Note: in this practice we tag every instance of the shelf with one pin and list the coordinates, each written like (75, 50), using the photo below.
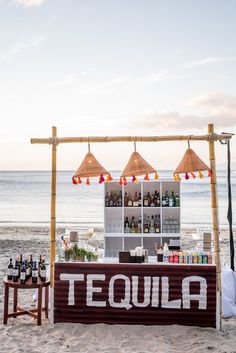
(142, 235)
(113, 208)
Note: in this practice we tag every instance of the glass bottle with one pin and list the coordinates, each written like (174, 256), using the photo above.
(34, 273)
(23, 274)
(10, 271)
(43, 272)
(15, 274)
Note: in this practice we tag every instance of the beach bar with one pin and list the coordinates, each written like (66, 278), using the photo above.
(136, 293)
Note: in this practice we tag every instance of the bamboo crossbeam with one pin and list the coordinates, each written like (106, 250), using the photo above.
(102, 139)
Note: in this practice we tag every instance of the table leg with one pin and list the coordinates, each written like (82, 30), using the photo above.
(6, 300)
(46, 302)
(39, 305)
(15, 301)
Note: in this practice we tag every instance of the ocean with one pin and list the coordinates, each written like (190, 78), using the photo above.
(25, 200)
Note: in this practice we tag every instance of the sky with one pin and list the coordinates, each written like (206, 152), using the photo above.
(108, 67)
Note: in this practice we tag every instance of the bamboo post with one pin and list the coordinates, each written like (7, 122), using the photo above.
(215, 218)
(53, 205)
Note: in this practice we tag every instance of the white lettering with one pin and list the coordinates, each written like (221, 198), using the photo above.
(147, 291)
(124, 303)
(201, 297)
(91, 289)
(71, 277)
(165, 303)
(155, 291)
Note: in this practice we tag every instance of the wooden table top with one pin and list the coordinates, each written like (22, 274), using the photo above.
(29, 284)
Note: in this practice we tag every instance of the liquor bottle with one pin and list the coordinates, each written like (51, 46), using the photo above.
(157, 224)
(111, 199)
(132, 225)
(146, 228)
(107, 200)
(127, 227)
(43, 272)
(28, 272)
(163, 200)
(139, 224)
(177, 200)
(34, 273)
(15, 272)
(135, 202)
(171, 199)
(130, 202)
(149, 198)
(40, 264)
(23, 274)
(10, 271)
(158, 202)
(139, 200)
(155, 198)
(31, 264)
(115, 199)
(145, 200)
(152, 201)
(126, 200)
(167, 199)
(152, 229)
(120, 199)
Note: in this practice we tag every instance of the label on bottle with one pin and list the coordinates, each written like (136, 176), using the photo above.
(28, 271)
(15, 272)
(22, 276)
(34, 273)
(145, 203)
(130, 203)
(10, 272)
(135, 203)
(43, 273)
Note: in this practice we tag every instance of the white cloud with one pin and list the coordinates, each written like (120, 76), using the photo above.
(22, 45)
(164, 76)
(28, 3)
(219, 109)
(207, 61)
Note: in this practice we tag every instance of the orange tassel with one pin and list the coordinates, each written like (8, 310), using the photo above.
(136, 180)
(121, 181)
(186, 176)
(133, 179)
(178, 177)
(87, 181)
(107, 179)
(110, 177)
(200, 175)
(146, 177)
(124, 181)
(80, 181)
(193, 175)
(210, 173)
(156, 176)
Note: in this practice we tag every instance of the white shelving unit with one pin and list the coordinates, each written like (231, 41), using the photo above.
(114, 217)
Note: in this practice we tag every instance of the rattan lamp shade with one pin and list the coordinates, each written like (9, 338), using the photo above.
(191, 163)
(90, 167)
(137, 166)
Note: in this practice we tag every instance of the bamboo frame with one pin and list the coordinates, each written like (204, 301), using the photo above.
(53, 206)
(215, 218)
(211, 138)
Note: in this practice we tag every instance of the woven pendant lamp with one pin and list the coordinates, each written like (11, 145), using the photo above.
(90, 167)
(137, 166)
(191, 163)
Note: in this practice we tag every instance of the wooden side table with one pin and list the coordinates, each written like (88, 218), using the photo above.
(17, 311)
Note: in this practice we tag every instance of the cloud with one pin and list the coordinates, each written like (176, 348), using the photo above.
(219, 109)
(22, 45)
(164, 76)
(28, 3)
(207, 61)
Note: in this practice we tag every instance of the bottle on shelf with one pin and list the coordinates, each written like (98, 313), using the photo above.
(107, 200)
(136, 198)
(23, 274)
(152, 228)
(10, 271)
(130, 202)
(126, 199)
(152, 201)
(172, 199)
(140, 224)
(127, 226)
(157, 224)
(167, 198)
(177, 200)
(111, 200)
(165, 253)
(15, 272)
(43, 272)
(139, 200)
(145, 200)
(163, 200)
(35, 273)
(120, 199)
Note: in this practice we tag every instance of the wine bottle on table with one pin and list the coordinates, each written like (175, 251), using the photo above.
(10, 271)
(39, 265)
(43, 272)
(34, 273)
(15, 272)
(23, 274)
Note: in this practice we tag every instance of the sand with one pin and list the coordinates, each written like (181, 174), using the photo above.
(22, 334)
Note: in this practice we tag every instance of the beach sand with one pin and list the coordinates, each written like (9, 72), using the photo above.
(22, 334)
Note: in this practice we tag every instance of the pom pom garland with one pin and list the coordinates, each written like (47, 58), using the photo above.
(101, 179)
(186, 176)
(146, 177)
(87, 181)
(156, 176)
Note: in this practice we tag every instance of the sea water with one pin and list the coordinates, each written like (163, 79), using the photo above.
(25, 199)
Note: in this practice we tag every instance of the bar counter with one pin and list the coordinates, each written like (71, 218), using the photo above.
(149, 293)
